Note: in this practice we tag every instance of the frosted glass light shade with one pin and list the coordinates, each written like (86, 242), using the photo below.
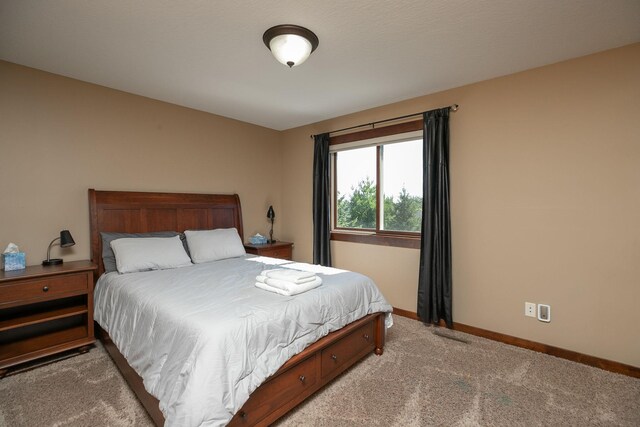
(290, 44)
(290, 49)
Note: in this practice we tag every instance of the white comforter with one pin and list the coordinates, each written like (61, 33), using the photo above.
(204, 337)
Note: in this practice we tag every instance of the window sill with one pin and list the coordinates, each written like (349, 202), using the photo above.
(398, 241)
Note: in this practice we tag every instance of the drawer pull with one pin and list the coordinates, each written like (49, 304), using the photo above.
(45, 289)
(366, 337)
(334, 357)
(301, 378)
(243, 415)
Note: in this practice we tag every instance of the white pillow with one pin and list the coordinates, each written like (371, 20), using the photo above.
(212, 245)
(149, 253)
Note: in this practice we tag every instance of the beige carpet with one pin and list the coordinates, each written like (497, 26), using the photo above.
(421, 380)
(426, 380)
(86, 390)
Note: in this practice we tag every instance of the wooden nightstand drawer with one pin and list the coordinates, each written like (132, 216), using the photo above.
(284, 253)
(338, 356)
(47, 287)
(282, 250)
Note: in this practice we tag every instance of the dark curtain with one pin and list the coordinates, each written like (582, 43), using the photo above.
(434, 282)
(321, 202)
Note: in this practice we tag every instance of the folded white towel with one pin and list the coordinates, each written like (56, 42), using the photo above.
(294, 276)
(293, 290)
(262, 279)
(285, 285)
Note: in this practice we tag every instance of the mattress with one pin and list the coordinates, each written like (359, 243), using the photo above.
(204, 337)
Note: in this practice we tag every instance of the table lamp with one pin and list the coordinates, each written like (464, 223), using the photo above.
(65, 241)
(271, 215)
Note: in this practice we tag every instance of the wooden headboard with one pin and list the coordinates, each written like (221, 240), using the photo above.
(136, 212)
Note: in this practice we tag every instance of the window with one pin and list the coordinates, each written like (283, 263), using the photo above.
(356, 188)
(402, 186)
(377, 193)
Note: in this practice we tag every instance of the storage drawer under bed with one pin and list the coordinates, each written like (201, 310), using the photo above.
(277, 390)
(336, 357)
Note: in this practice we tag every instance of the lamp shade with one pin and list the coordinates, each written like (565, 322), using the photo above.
(66, 240)
(270, 213)
(291, 45)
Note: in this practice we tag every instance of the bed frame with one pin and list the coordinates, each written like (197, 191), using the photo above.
(300, 376)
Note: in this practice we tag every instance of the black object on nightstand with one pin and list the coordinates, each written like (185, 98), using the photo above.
(66, 241)
(271, 215)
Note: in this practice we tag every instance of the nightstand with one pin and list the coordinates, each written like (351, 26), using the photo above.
(45, 310)
(274, 250)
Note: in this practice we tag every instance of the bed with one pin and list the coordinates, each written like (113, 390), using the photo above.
(284, 378)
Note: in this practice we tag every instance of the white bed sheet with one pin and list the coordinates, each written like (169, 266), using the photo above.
(204, 337)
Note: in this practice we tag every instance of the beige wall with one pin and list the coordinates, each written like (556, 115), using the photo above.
(59, 137)
(544, 169)
(545, 196)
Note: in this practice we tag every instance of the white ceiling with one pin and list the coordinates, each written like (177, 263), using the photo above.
(209, 55)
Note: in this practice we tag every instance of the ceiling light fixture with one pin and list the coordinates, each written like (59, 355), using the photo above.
(290, 44)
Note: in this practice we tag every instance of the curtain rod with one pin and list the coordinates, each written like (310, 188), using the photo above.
(452, 107)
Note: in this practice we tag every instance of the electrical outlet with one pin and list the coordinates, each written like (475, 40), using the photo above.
(544, 312)
(529, 309)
